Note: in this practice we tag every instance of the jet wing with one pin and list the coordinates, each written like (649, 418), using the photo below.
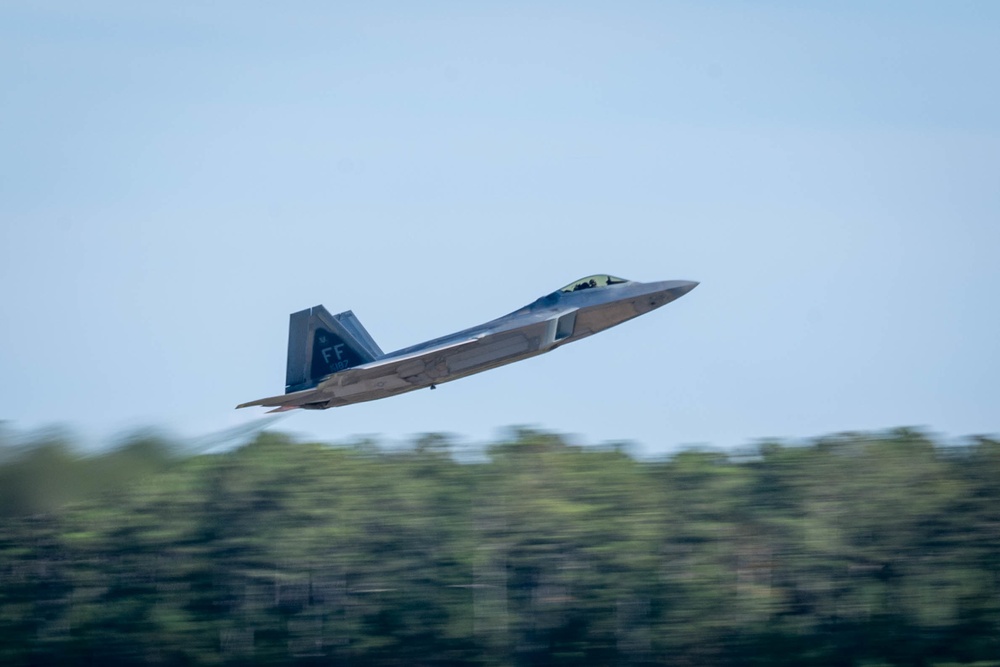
(373, 380)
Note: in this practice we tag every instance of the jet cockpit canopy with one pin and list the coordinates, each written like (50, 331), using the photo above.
(591, 282)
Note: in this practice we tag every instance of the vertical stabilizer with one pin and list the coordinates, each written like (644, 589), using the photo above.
(320, 344)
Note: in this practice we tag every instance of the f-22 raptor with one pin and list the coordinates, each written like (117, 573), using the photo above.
(332, 361)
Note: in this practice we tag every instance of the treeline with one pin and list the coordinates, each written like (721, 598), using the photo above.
(858, 549)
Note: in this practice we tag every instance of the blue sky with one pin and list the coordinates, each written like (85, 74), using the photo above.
(176, 178)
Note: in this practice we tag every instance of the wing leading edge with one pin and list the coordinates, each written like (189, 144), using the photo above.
(373, 380)
(421, 368)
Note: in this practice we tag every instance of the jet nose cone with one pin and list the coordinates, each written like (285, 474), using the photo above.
(683, 287)
(662, 293)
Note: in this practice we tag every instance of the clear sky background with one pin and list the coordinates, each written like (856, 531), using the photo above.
(176, 178)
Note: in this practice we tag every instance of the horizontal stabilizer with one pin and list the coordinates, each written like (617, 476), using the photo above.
(293, 400)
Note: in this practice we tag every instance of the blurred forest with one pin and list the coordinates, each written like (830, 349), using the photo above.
(853, 549)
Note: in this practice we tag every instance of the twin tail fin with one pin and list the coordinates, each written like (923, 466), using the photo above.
(320, 344)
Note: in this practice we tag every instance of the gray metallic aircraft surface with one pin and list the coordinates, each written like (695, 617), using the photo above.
(332, 361)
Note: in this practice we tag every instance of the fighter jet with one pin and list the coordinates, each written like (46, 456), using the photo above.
(333, 361)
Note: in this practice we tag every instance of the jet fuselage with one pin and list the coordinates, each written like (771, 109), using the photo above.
(576, 311)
